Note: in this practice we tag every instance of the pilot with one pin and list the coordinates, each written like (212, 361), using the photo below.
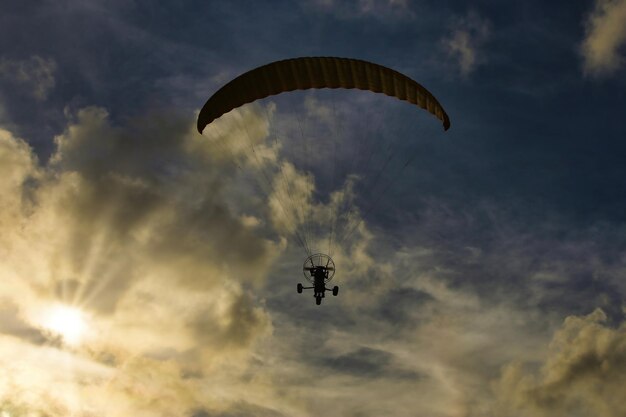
(320, 276)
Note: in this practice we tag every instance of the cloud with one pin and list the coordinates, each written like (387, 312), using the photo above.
(12, 324)
(17, 165)
(582, 374)
(35, 73)
(239, 409)
(297, 162)
(465, 41)
(174, 253)
(356, 9)
(369, 363)
(291, 199)
(473, 292)
(133, 224)
(605, 37)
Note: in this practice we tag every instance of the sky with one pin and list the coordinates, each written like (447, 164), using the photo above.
(149, 270)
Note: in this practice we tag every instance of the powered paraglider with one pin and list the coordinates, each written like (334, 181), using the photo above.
(311, 186)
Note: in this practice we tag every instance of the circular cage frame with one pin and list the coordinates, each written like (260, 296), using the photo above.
(316, 260)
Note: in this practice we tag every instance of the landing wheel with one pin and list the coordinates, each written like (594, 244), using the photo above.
(299, 288)
(318, 300)
(335, 290)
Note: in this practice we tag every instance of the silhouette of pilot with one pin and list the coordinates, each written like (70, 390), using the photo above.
(319, 278)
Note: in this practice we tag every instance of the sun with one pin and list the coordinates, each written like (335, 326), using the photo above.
(67, 322)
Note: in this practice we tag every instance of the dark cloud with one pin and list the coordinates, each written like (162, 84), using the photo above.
(234, 328)
(543, 263)
(398, 306)
(369, 363)
(362, 9)
(239, 409)
(35, 75)
(12, 324)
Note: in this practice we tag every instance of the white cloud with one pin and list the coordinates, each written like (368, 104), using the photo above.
(582, 375)
(131, 225)
(17, 164)
(605, 38)
(465, 42)
(35, 73)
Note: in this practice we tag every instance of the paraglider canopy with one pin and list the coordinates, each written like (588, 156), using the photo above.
(317, 72)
